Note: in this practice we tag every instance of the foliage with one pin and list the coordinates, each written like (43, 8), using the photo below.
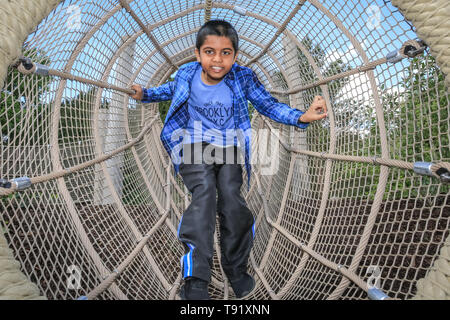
(426, 112)
(416, 121)
(22, 106)
(418, 125)
(164, 106)
(76, 116)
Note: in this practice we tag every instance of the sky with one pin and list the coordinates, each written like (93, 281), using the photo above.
(379, 27)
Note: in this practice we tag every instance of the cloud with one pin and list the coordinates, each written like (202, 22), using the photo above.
(358, 88)
(347, 56)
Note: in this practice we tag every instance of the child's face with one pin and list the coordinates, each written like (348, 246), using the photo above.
(216, 56)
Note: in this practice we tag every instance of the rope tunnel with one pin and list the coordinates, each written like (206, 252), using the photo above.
(356, 206)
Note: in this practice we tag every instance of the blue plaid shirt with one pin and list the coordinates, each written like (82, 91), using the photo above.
(244, 86)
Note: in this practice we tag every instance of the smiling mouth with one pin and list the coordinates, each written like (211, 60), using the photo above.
(217, 69)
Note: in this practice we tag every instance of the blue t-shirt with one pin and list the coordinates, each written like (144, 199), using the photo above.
(210, 110)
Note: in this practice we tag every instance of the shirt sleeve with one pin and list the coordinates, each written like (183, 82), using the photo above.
(161, 93)
(270, 107)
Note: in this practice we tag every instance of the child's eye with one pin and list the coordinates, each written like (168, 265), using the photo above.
(208, 51)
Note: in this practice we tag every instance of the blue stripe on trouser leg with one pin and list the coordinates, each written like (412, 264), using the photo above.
(253, 229)
(187, 262)
(196, 231)
(190, 261)
(179, 225)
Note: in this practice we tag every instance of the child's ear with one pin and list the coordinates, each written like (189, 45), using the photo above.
(197, 54)
(235, 56)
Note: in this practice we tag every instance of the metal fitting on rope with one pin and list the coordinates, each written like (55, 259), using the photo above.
(27, 66)
(376, 294)
(423, 168)
(26, 63)
(22, 183)
(5, 184)
(394, 57)
(413, 48)
(42, 70)
(409, 49)
(444, 175)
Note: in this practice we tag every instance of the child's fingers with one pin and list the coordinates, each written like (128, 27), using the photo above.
(324, 107)
(319, 107)
(137, 92)
(320, 116)
(317, 99)
(319, 102)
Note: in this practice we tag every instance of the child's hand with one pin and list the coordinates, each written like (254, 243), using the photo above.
(314, 112)
(139, 92)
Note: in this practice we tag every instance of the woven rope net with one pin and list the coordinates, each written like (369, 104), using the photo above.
(355, 203)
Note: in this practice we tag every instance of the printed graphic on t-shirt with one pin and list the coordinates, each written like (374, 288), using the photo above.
(216, 112)
(210, 111)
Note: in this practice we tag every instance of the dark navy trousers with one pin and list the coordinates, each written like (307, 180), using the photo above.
(197, 226)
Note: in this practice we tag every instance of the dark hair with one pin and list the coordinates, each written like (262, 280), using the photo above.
(219, 28)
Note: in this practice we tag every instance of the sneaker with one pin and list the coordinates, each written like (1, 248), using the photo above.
(194, 289)
(243, 286)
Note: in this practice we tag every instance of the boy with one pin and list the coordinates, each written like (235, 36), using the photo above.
(209, 100)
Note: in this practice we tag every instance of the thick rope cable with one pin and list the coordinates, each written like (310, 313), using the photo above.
(402, 53)
(208, 7)
(105, 284)
(68, 76)
(431, 19)
(14, 285)
(376, 160)
(370, 66)
(126, 6)
(278, 33)
(81, 166)
(436, 284)
(350, 275)
(17, 20)
(428, 18)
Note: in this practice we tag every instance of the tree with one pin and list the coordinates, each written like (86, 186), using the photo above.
(164, 106)
(425, 111)
(22, 103)
(308, 75)
(76, 116)
(418, 124)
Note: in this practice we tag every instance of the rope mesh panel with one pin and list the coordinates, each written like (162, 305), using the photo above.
(337, 207)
